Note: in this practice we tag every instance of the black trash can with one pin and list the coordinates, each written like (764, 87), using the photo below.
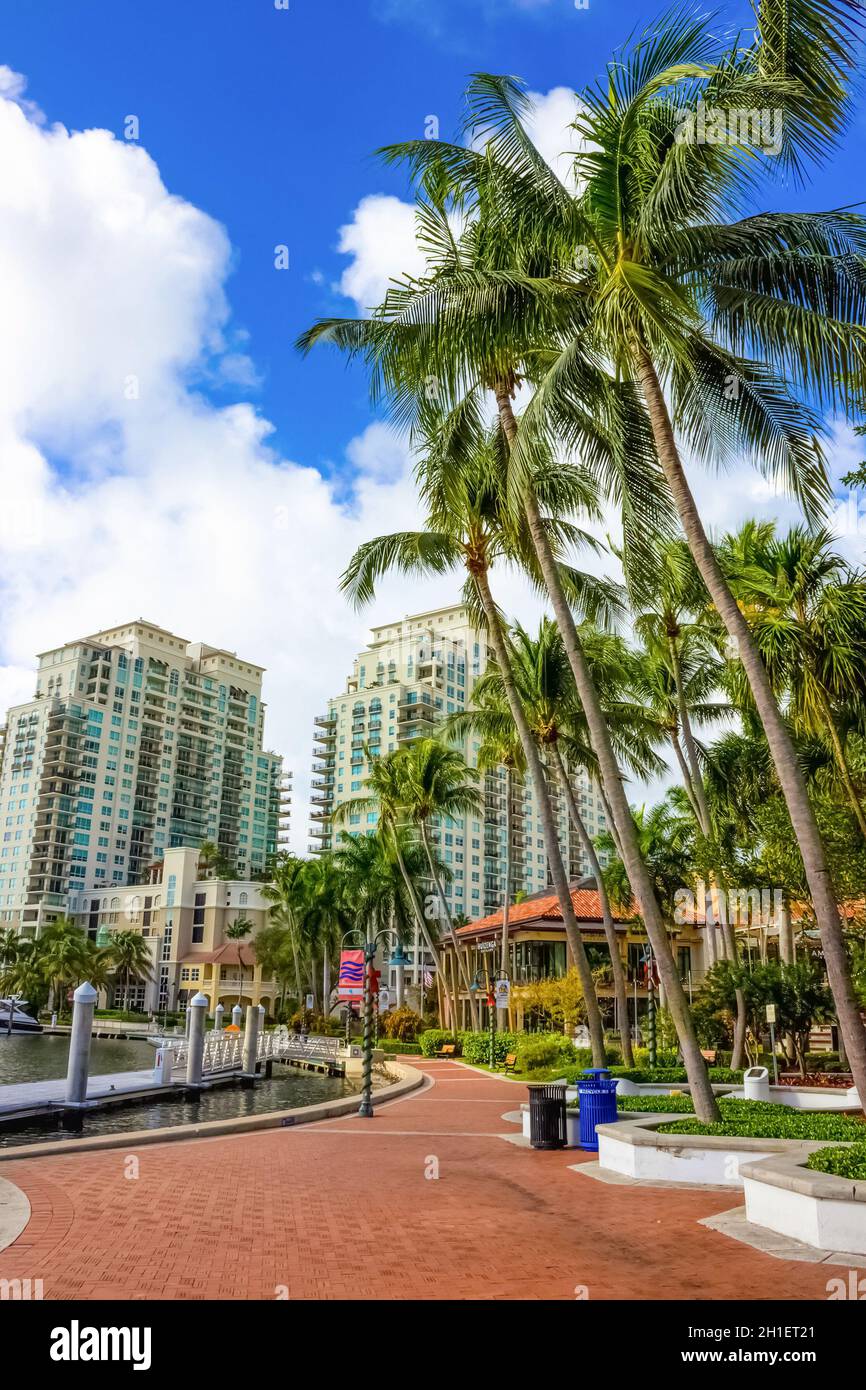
(547, 1117)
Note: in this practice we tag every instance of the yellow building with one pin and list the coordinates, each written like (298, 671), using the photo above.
(184, 917)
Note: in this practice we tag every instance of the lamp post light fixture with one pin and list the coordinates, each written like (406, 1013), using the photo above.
(398, 957)
(482, 978)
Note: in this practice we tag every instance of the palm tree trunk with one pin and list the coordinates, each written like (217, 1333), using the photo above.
(611, 823)
(619, 987)
(296, 957)
(419, 915)
(502, 1023)
(456, 945)
(686, 776)
(696, 777)
(642, 885)
(844, 770)
(782, 750)
(551, 838)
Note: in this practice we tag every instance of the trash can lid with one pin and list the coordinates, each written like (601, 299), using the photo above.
(596, 1071)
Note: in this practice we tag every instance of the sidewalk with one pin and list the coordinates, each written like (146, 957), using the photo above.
(351, 1208)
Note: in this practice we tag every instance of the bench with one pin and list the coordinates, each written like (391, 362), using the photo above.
(709, 1054)
(449, 1050)
(511, 1061)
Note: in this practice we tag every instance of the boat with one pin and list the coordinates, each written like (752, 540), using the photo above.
(20, 1022)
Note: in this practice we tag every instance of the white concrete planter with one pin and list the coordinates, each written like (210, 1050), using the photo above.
(634, 1148)
(825, 1098)
(818, 1209)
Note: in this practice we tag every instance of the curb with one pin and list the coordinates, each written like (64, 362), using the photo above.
(14, 1212)
(409, 1080)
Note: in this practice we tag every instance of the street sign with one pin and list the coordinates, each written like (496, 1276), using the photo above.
(487, 945)
(771, 1013)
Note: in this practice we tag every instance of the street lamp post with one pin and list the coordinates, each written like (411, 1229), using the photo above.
(398, 957)
(483, 976)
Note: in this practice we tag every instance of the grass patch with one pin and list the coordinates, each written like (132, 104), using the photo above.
(772, 1122)
(842, 1163)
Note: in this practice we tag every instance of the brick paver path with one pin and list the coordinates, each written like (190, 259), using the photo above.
(346, 1209)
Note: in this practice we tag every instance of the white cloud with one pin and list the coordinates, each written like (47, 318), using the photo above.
(381, 241)
(550, 126)
(126, 493)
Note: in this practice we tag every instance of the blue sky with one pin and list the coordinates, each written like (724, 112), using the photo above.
(268, 119)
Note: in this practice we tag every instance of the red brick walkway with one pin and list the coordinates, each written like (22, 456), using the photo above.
(345, 1209)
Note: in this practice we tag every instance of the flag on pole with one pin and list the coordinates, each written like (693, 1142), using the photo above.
(351, 981)
(428, 980)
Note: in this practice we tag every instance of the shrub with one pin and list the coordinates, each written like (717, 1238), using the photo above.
(678, 1105)
(730, 1105)
(843, 1163)
(783, 1123)
(396, 1045)
(401, 1023)
(535, 1050)
(664, 1058)
(475, 1047)
(434, 1039)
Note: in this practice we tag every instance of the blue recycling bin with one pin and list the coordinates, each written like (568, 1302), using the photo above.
(596, 1091)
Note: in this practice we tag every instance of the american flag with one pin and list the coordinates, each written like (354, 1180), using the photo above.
(428, 979)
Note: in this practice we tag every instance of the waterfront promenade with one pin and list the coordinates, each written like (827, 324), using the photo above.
(351, 1208)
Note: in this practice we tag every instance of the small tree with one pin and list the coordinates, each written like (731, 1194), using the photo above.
(238, 931)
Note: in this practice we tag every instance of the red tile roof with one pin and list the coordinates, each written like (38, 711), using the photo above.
(586, 902)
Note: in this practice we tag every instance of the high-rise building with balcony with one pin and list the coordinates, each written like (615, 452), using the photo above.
(414, 673)
(136, 741)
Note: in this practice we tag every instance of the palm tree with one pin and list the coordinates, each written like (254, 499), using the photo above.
(480, 323)
(275, 953)
(678, 297)
(547, 692)
(438, 784)
(499, 748)
(384, 792)
(22, 976)
(287, 893)
(129, 955)
(462, 476)
(326, 914)
(238, 931)
(807, 611)
(65, 957)
(375, 891)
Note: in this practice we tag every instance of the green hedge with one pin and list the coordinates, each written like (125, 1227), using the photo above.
(475, 1047)
(782, 1123)
(434, 1039)
(664, 1075)
(843, 1163)
(394, 1045)
(536, 1050)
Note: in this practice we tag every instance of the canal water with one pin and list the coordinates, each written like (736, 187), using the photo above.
(42, 1058)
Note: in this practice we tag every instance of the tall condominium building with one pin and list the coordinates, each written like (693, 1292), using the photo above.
(136, 741)
(413, 673)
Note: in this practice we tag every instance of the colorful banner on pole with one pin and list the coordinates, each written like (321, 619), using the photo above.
(351, 981)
